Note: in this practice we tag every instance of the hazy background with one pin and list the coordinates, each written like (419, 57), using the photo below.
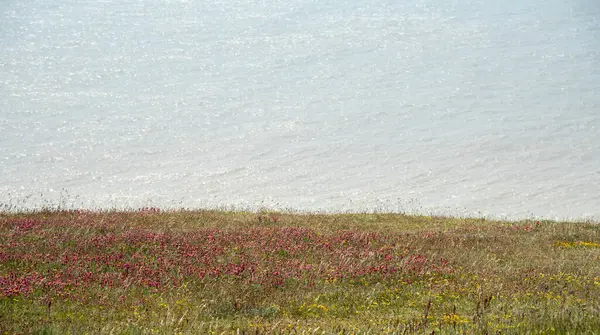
(456, 107)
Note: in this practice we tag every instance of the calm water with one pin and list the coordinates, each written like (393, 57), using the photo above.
(457, 107)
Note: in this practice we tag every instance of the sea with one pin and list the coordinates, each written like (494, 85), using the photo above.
(469, 108)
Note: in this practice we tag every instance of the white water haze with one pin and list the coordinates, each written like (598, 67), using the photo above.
(452, 107)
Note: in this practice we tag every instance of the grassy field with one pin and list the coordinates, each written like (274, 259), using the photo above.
(218, 272)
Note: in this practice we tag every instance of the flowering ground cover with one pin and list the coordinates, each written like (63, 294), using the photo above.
(196, 272)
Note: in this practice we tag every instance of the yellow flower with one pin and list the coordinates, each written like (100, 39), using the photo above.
(455, 319)
(583, 244)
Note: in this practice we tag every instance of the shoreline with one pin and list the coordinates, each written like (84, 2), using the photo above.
(13, 210)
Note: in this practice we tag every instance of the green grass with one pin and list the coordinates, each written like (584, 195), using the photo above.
(215, 272)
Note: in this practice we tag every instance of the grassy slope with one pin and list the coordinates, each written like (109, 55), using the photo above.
(209, 271)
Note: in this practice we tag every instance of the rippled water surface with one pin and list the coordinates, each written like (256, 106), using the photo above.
(458, 107)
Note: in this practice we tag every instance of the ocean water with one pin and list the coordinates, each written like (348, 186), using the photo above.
(471, 108)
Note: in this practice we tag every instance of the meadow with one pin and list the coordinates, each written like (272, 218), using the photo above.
(149, 271)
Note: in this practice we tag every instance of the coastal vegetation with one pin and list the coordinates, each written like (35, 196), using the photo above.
(149, 271)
